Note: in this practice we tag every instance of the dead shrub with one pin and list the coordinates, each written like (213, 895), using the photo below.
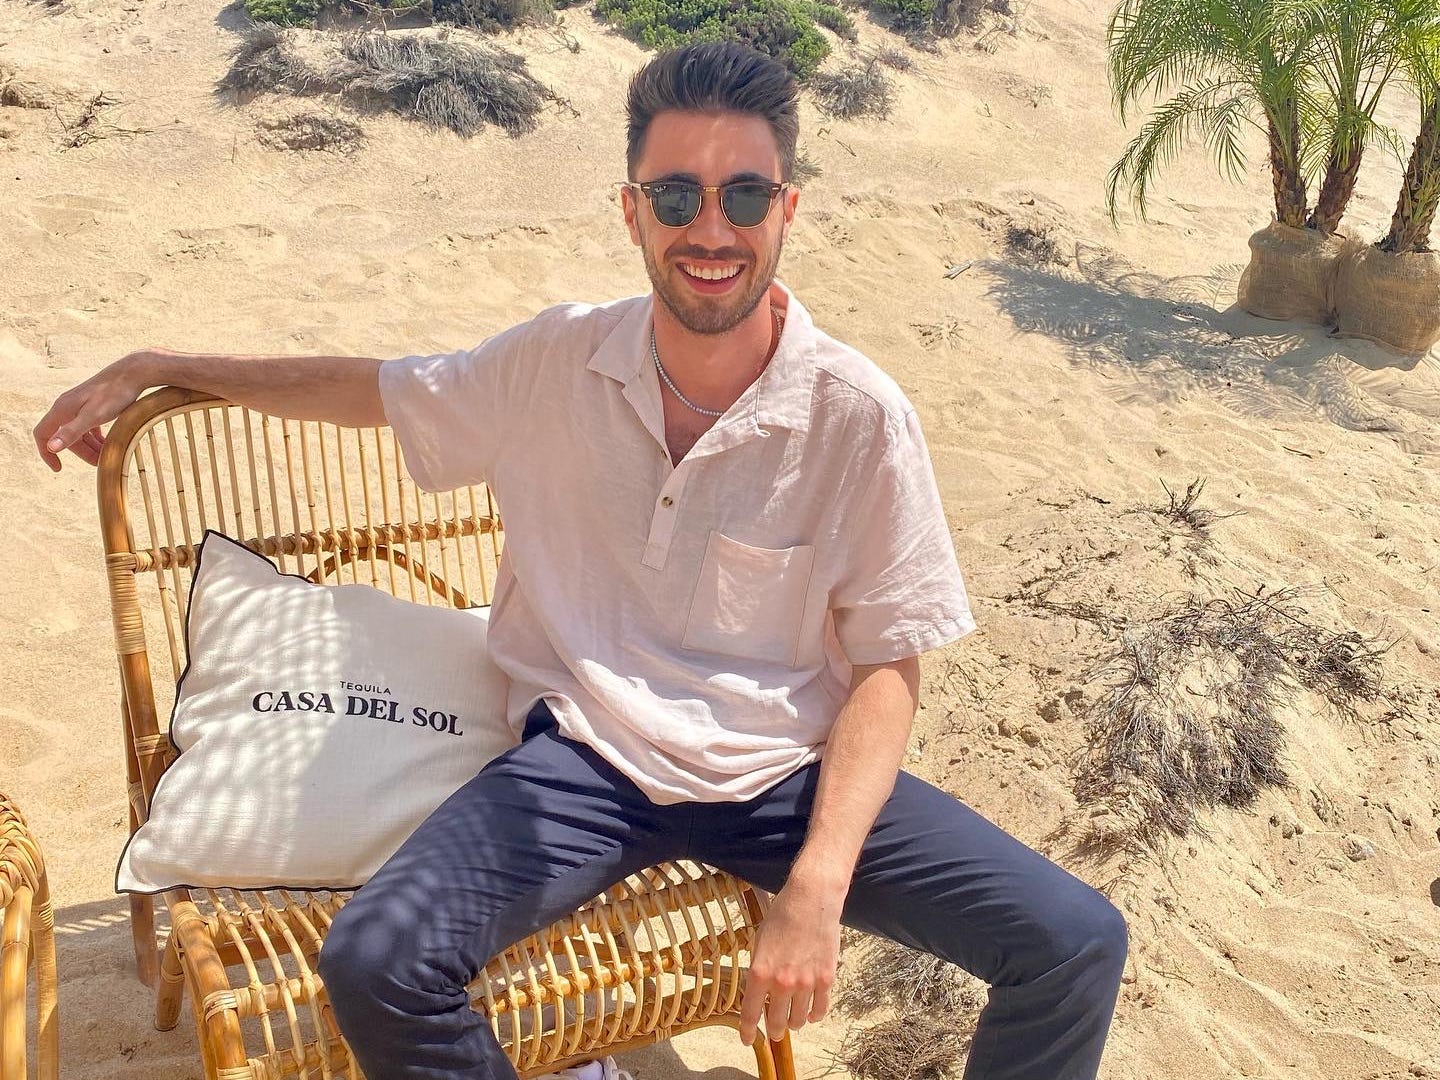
(854, 91)
(446, 83)
(1036, 244)
(912, 1047)
(880, 973)
(1188, 720)
(893, 58)
(806, 167)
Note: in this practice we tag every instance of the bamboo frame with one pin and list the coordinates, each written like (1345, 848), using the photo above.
(661, 953)
(28, 934)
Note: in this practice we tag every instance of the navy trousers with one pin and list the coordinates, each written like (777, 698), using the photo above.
(549, 824)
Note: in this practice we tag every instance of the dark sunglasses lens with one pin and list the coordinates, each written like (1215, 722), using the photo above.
(675, 205)
(747, 205)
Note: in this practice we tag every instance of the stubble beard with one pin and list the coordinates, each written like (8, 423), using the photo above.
(709, 315)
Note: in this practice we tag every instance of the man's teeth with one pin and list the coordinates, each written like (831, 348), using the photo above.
(710, 273)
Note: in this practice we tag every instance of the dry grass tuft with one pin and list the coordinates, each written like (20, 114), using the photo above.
(1183, 511)
(311, 131)
(893, 58)
(806, 167)
(880, 973)
(932, 1007)
(1189, 717)
(454, 84)
(918, 1047)
(1035, 244)
(854, 91)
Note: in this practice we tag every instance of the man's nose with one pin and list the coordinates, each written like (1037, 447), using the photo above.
(711, 228)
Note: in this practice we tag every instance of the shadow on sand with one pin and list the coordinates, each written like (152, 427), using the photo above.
(1174, 337)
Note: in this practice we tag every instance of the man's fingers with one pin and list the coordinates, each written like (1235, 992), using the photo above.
(799, 1012)
(82, 437)
(90, 445)
(751, 1005)
(821, 1005)
(777, 1016)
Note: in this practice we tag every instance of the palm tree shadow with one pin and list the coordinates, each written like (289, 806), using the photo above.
(1175, 340)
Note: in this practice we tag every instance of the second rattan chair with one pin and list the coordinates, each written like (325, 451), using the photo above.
(28, 940)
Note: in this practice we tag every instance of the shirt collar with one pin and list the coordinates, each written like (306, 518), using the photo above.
(781, 397)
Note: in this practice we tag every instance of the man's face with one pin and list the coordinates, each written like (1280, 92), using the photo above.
(709, 148)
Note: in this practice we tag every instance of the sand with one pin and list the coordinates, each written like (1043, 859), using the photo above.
(1056, 396)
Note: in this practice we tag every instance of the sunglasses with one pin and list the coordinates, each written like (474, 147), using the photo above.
(745, 203)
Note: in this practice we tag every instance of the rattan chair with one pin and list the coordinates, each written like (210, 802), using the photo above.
(661, 953)
(29, 933)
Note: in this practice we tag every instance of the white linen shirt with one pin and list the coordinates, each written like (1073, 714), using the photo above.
(694, 624)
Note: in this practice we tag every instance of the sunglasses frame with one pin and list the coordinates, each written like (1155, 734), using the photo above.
(774, 188)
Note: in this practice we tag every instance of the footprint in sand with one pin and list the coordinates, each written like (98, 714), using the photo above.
(20, 740)
(254, 245)
(358, 218)
(65, 213)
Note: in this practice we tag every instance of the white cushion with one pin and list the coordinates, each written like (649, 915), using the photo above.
(317, 726)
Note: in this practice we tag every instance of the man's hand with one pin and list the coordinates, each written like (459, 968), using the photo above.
(797, 948)
(75, 418)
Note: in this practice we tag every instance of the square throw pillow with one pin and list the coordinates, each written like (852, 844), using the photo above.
(317, 726)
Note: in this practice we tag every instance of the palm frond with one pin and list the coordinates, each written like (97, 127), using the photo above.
(1214, 111)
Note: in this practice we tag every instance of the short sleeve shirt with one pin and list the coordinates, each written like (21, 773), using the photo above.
(696, 623)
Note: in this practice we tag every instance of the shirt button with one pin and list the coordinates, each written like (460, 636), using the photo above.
(666, 501)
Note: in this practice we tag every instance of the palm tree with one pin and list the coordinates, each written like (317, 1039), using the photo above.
(1420, 190)
(1228, 65)
(1359, 46)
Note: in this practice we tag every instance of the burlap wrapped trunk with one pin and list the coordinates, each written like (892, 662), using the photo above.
(1291, 273)
(1391, 299)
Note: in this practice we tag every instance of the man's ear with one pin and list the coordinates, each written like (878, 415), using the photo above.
(630, 209)
(789, 200)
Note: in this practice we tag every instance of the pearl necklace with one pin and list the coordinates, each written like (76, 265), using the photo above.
(665, 376)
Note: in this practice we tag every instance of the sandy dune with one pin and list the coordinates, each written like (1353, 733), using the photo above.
(1057, 396)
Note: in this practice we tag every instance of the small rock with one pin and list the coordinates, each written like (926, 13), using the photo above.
(1358, 849)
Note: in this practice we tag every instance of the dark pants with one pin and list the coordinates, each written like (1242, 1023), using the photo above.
(549, 824)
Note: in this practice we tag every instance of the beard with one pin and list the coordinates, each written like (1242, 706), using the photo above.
(711, 314)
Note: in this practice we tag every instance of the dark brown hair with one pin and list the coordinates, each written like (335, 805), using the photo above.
(714, 76)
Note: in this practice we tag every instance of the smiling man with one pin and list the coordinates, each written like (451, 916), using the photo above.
(725, 553)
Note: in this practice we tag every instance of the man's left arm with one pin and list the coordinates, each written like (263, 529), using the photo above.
(797, 946)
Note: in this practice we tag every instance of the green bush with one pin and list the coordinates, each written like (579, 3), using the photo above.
(911, 13)
(783, 29)
(283, 12)
(830, 17)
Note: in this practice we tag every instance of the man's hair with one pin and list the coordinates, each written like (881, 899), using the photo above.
(719, 76)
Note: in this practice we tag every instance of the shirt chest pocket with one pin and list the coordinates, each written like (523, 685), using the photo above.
(749, 601)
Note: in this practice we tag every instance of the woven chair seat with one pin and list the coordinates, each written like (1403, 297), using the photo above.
(658, 954)
(28, 934)
(651, 957)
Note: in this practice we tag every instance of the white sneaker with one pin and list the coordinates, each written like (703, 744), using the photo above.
(605, 1069)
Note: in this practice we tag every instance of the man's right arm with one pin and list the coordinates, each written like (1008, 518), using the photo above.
(341, 390)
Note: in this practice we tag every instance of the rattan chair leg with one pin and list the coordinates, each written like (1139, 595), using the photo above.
(142, 928)
(14, 970)
(171, 987)
(764, 1057)
(784, 1058)
(47, 1027)
(212, 998)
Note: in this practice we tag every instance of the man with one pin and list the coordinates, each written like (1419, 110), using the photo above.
(725, 554)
